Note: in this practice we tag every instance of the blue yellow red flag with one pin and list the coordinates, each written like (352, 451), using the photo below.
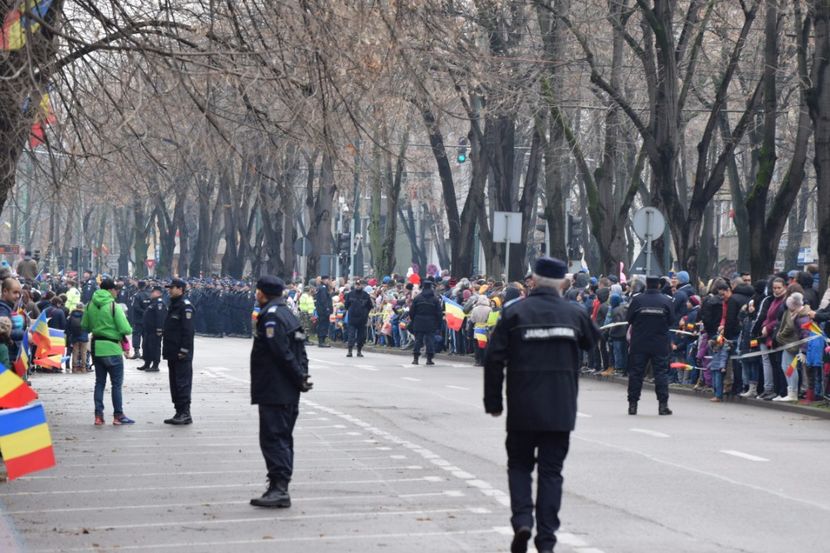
(25, 440)
(14, 392)
(21, 22)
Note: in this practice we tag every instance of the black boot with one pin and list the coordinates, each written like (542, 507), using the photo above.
(415, 358)
(276, 496)
(520, 539)
(350, 353)
(144, 367)
(322, 343)
(664, 408)
(429, 360)
(154, 368)
(180, 418)
(359, 353)
(632, 407)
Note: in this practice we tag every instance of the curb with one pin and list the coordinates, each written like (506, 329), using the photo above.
(453, 358)
(787, 407)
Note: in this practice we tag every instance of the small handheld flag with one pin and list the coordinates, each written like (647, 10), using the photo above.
(13, 391)
(25, 440)
(454, 313)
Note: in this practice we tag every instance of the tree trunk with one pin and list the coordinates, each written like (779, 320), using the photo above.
(820, 114)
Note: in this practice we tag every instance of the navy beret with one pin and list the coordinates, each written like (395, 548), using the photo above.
(177, 283)
(550, 267)
(271, 285)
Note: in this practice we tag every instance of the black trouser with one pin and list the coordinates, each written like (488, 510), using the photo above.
(276, 440)
(138, 331)
(323, 327)
(637, 362)
(151, 352)
(180, 373)
(524, 450)
(356, 336)
(422, 338)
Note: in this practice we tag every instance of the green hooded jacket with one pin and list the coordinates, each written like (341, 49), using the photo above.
(107, 322)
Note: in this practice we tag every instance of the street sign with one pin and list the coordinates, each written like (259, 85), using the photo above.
(507, 227)
(302, 246)
(639, 266)
(648, 223)
(10, 248)
(150, 263)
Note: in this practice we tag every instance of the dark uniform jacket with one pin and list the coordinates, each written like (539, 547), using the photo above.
(650, 315)
(87, 289)
(358, 304)
(178, 330)
(152, 319)
(538, 339)
(426, 312)
(740, 297)
(141, 301)
(322, 302)
(279, 363)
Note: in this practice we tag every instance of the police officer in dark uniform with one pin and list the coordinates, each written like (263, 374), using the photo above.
(140, 303)
(650, 315)
(358, 304)
(88, 287)
(153, 327)
(178, 350)
(425, 315)
(322, 302)
(279, 372)
(538, 340)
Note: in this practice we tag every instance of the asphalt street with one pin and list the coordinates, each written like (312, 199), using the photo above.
(399, 458)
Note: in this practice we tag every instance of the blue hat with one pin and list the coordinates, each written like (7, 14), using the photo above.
(616, 300)
(550, 267)
(271, 285)
(683, 277)
(594, 281)
(387, 279)
(177, 283)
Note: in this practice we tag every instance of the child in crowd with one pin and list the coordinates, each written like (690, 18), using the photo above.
(5, 341)
(77, 339)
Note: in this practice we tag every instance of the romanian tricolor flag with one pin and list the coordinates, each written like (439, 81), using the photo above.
(25, 441)
(40, 331)
(682, 367)
(454, 314)
(21, 22)
(812, 327)
(13, 391)
(21, 364)
(792, 366)
(480, 333)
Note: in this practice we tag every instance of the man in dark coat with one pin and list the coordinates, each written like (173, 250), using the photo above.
(358, 305)
(178, 351)
(140, 303)
(153, 328)
(539, 340)
(88, 287)
(650, 316)
(322, 302)
(425, 316)
(279, 372)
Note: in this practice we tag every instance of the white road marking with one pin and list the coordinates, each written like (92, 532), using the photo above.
(224, 545)
(397, 456)
(447, 493)
(583, 415)
(451, 387)
(409, 378)
(743, 455)
(570, 539)
(373, 369)
(652, 433)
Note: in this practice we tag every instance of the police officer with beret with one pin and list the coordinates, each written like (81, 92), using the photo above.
(152, 325)
(279, 372)
(538, 340)
(358, 304)
(140, 303)
(650, 316)
(178, 351)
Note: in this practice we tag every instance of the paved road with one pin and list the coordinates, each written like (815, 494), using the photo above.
(397, 458)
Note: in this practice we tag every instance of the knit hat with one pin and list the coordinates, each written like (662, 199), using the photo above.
(795, 301)
(683, 277)
(694, 300)
(615, 300)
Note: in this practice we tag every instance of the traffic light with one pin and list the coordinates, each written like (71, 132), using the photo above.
(574, 236)
(344, 240)
(462, 150)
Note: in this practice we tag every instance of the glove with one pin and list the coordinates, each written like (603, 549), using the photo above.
(17, 322)
(307, 384)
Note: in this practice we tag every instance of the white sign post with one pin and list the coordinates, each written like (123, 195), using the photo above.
(507, 228)
(648, 224)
